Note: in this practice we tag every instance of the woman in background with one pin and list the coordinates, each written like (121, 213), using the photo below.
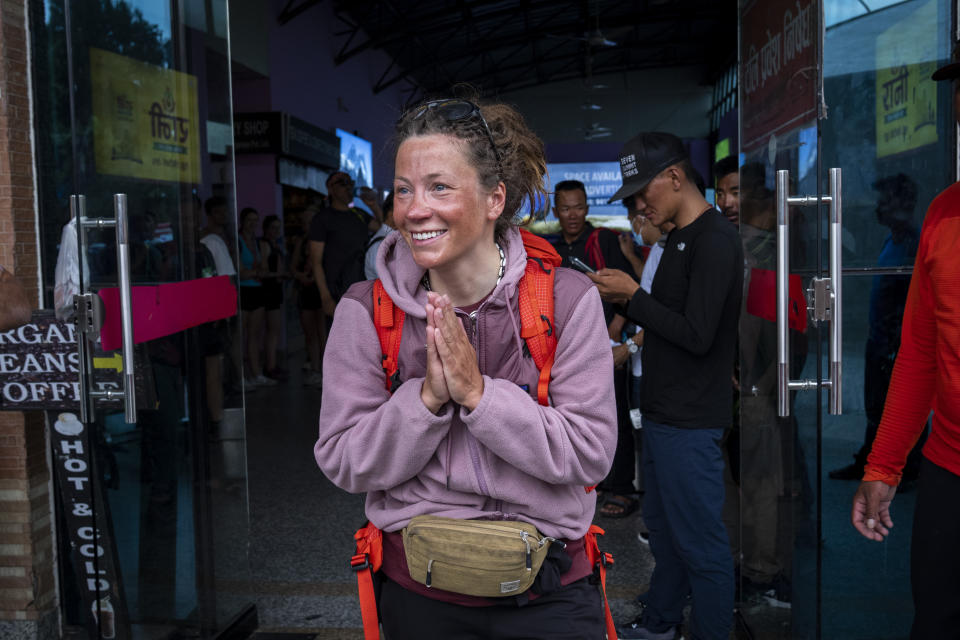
(271, 248)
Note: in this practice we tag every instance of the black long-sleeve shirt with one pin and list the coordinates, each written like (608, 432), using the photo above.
(690, 325)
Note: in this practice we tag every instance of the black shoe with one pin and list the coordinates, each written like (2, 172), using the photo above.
(635, 631)
(853, 471)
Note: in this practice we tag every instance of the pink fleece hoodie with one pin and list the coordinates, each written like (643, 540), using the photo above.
(510, 458)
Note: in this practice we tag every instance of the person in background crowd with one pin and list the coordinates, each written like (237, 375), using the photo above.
(312, 319)
(373, 245)
(599, 247)
(926, 376)
(727, 173)
(635, 245)
(765, 439)
(896, 202)
(690, 327)
(463, 435)
(275, 264)
(252, 268)
(338, 239)
(212, 236)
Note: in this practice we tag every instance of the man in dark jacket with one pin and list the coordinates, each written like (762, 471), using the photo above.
(690, 333)
(599, 248)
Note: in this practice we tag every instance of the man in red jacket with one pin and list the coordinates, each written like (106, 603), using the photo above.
(926, 377)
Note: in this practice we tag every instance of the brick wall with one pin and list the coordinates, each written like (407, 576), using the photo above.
(27, 589)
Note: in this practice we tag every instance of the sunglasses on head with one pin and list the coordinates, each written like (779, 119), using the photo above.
(452, 110)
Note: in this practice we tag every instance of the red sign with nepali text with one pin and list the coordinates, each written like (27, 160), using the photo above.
(778, 68)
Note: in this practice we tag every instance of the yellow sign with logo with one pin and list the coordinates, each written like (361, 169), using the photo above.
(906, 56)
(146, 123)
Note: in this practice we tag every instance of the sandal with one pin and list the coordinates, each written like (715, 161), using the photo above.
(618, 506)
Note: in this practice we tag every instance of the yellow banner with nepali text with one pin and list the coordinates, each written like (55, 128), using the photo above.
(146, 122)
(906, 55)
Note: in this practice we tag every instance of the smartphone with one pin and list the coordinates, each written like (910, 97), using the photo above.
(580, 265)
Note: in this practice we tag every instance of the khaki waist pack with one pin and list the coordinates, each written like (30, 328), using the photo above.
(487, 558)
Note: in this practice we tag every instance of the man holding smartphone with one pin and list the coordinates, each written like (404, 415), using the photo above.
(690, 333)
(587, 248)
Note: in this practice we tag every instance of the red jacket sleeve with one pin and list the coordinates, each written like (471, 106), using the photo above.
(912, 387)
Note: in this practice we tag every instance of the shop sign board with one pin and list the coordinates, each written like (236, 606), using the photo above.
(39, 368)
(311, 143)
(89, 533)
(906, 95)
(778, 71)
(146, 121)
(282, 133)
(260, 132)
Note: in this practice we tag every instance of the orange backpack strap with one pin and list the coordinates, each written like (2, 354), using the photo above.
(601, 561)
(365, 563)
(537, 325)
(388, 319)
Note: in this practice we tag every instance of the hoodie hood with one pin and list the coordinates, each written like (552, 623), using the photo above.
(401, 275)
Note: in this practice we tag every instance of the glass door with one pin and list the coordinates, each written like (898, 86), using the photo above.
(134, 124)
(846, 140)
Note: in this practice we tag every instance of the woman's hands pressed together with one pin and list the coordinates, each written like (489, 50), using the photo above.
(452, 371)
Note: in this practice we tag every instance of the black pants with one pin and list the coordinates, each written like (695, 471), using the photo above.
(619, 480)
(573, 612)
(935, 555)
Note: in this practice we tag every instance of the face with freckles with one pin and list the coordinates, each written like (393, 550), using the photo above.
(440, 208)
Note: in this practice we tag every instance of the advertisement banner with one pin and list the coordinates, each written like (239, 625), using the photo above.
(146, 123)
(906, 96)
(600, 179)
(778, 68)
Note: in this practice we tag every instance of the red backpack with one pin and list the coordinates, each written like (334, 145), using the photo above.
(537, 328)
(592, 249)
(536, 315)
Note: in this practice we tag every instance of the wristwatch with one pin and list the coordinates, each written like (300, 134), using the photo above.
(631, 346)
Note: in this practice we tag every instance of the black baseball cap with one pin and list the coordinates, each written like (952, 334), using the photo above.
(947, 72)
(643, 157)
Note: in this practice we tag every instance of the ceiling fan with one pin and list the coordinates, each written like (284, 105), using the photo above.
(595, 37)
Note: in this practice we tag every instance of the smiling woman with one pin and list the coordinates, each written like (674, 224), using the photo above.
(461, 430)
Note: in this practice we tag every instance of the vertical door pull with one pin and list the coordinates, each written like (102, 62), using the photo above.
(836, 306)
(89, 310)
(126, 308)
(826, 301)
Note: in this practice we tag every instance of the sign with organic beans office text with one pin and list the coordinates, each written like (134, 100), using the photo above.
(39, 368)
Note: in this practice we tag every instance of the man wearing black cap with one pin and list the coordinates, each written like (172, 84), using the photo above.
(926, 376)
(690, 323)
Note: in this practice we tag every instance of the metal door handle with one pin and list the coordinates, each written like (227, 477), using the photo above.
(78, 212)
(783, 294)
(828, 304)
(126, 307)
(836, 303)
(89, 306)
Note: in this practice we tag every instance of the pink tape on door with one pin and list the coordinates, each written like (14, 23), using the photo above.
(167, 308)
